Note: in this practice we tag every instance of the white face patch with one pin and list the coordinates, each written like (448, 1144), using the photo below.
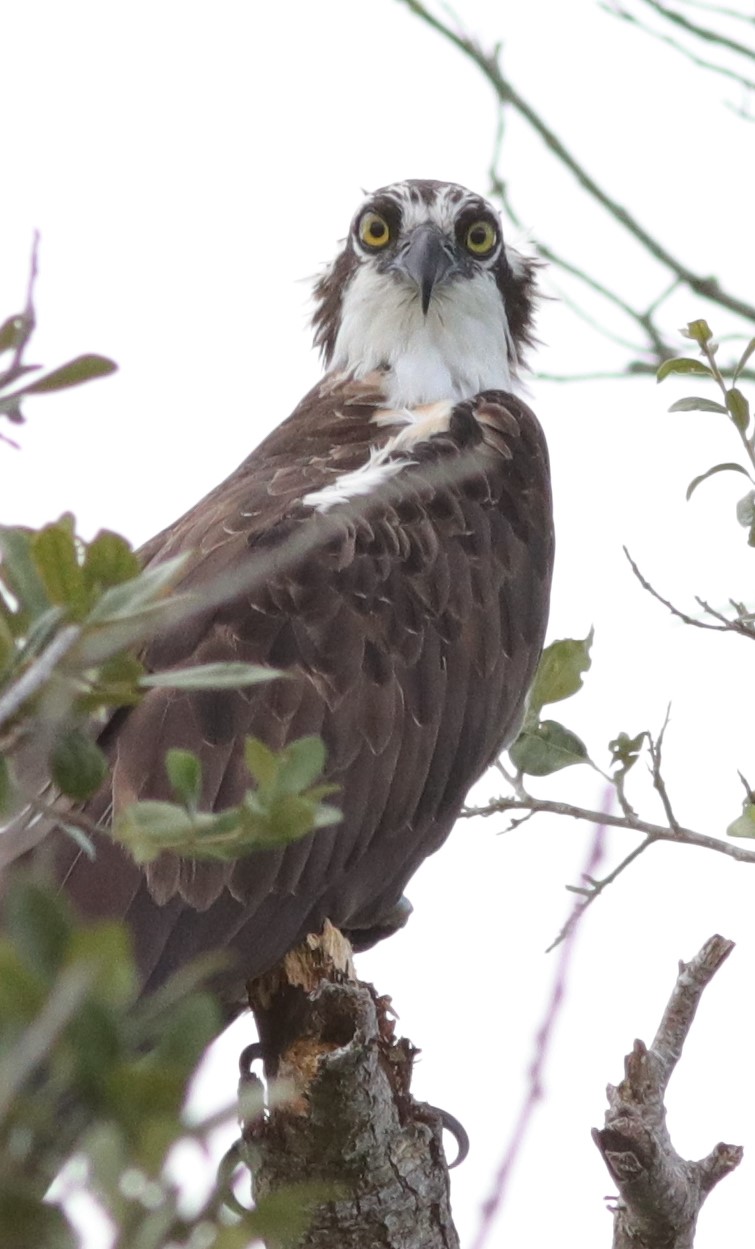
(458, 349)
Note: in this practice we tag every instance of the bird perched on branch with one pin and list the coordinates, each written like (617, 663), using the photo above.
(411, 625)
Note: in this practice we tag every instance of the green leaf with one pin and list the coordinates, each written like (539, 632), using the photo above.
(290, 818)
(25, 1220)
(13, 332)
(546, 749)
(7, 645)
(105, 640)
(40, 632)
(116, 684)
(129, 599)
(695, 403)
(746, 510)
(744, 825)
(187, 1031)
(56, 557)
(8, 797)
(745, 356)
(739, 409)
(20, 572)
(83, 369)
(326, 814)
(150, 827)
(302, 763)
(37, 923)
(717, 468)
(261, 761)
(22, 995)
(559, 673)
(219, 676)
(699, 331)
(683, 365)
(109, 561)
(281, 1217)
(625, 751)
(78, 765)
(106, 945)
(185, 775)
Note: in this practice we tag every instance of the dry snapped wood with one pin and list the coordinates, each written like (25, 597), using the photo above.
(350, 1122)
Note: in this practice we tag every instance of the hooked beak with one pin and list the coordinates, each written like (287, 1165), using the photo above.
(426, 261)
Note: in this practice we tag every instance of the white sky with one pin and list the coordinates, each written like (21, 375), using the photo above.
(187, 166)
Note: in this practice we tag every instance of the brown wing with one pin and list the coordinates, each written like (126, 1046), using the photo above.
(410, 632)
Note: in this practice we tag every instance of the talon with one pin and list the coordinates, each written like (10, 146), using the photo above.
(451, 1124)
(247, 1057)
(227, 1168)
(392, 921)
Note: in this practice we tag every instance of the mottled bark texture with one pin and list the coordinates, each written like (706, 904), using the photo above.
(351, 1122)
(660, 1194)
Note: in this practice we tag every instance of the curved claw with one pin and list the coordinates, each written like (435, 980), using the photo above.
(227, 1168)
(249, 1055)
(458, 1132)
(392, 921)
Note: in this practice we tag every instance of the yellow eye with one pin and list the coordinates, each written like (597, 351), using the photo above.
(374, 230)
(480, 238)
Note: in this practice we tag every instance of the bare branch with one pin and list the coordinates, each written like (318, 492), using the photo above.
(488, 64)
(704, 33)
(738, 625)
(661, 1194)
(656, 747)
(594, 888)
(633, 824)
(624, 15)
(720, 11)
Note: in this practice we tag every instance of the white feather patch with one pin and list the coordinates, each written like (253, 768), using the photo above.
(359, 481)
(419, 424)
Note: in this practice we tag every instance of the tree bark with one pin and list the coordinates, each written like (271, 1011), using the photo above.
(349, 1121)
(660, 1194)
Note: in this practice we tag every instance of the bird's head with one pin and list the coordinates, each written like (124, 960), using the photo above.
(425, 288)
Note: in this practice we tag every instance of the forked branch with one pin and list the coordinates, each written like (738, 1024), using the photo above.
(660, 1194)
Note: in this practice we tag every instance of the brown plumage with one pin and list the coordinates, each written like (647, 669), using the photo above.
(410, 631)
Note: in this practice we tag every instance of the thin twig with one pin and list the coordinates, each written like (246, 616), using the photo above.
(701, 32)
(633, 824)
(676, 46)
(595, 888)
(707, 287)
(65, 816)
(499, 189)
(720, 11)
(656, 747)
(727, 625)
(534, 1091)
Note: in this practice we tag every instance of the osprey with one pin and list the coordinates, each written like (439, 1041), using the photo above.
(410, 632)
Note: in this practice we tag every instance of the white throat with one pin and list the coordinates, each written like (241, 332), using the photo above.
(460, 348)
